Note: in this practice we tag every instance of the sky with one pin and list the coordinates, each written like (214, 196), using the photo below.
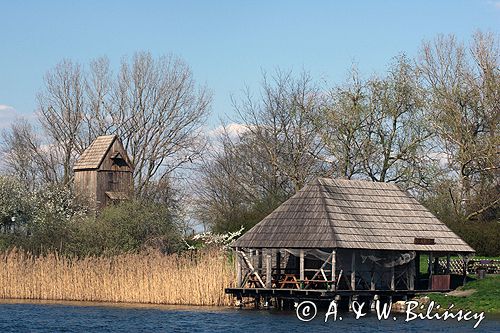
(227, 44)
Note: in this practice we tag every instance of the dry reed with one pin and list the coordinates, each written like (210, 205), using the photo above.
(189, 279)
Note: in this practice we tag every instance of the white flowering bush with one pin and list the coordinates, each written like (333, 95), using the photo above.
(56, 205)
(37, 220)
(15, 202)
(209, 239)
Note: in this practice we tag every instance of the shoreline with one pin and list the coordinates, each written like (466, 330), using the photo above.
(125, 305)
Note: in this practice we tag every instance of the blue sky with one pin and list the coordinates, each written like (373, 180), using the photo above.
(226, 43)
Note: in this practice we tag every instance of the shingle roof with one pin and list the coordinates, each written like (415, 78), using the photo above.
(93, 156)
(335, 213)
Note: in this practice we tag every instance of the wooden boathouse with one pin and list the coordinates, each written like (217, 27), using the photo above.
(104, 173)
(346, 238)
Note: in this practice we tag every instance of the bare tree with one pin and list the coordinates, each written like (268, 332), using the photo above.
(249, 173)
(341, 124)
(463, 90)
(376, 129)
(237, 186)
(158, 112)
(99, 87)
(61, 111)
(395, 145)
(282, 123)
(25, 157)
(154, 105)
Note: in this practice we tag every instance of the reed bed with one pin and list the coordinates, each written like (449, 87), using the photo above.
(188, 279)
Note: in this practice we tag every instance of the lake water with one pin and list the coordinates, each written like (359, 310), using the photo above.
(19, 316)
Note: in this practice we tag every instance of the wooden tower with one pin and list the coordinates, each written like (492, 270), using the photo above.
(103, 173)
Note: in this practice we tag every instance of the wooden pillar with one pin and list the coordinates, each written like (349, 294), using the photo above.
(411, 280)
(251, 257)
(301, 265)
(238, 267)
(333, 270)
(448, 263)
(278, 262)
(268, 269)
(372, 278)
(436, 265)
(259, 261)
(393, 286)
(464, 273)
(353, 270)
(431, 259)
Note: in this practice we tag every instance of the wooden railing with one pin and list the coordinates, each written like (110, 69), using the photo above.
(491, 266)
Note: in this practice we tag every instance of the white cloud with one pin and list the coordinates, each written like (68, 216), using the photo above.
(8, 114)
(4, 107)
(232, 129)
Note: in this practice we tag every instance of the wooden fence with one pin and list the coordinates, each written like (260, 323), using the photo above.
(491, 266)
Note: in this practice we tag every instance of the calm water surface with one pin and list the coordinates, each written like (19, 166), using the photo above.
(18, 316)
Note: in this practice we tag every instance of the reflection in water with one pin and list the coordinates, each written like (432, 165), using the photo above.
(20, 316)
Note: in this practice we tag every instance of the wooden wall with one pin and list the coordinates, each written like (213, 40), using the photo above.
(86, 185)
(110, 176)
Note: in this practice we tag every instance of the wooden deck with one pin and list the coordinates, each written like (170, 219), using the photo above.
(321, 294)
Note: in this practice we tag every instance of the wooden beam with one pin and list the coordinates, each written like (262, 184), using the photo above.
(464, 273)
(411, 282)
(238, 268)
(333, 268)
(278, 262)
(372, 279)
(268, 270)
(393, 287)
(431, 259)
(353, 270)
(448, 263)
(320, 270)
(252, 269)
(301, 264)
(259, 261)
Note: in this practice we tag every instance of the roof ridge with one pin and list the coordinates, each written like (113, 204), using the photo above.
(324, 205)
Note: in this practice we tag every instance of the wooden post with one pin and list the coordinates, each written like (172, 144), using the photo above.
(259, 261)
(393, 287)
(268, 269)
(278, 262)
(251, 257)
(372, 278)
(431, 259)
(466, 260)
(353, 271)
(448, 263)
(333, 270)
(301, 265)
(238, 268)
(411, 282)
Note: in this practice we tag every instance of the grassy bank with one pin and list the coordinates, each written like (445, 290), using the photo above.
(479, 295)
(190, 279)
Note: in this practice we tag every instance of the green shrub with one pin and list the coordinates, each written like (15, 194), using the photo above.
(128, 226)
